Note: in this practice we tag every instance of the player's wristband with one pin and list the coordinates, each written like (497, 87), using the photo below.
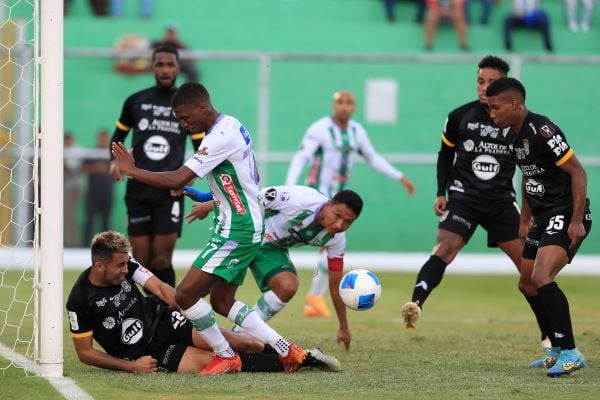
(197, 195)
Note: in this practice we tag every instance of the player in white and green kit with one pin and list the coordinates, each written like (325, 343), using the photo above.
(227, 159)
(331, 146)
(298, 216)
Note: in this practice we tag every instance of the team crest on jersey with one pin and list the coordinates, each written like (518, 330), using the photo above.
(202, 151)
(547, 131)
(285, 196)
(469, 145)
(126, 286)
(231, 191)
(271, 194)
(109, 323)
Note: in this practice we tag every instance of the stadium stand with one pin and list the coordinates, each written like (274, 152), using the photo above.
(300, 89)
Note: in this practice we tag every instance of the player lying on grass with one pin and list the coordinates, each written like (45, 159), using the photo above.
(296, 216)
(149, 334)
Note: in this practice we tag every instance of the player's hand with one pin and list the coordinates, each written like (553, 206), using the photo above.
(123, 157)
(115, 172)
(576, 233)
(199, 211)
(439, 205)
(145, 364)
(177, 193)
(408, 185)
(344, 336)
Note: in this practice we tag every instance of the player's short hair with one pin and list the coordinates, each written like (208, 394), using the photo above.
(106, 244)
(190, 93)
(165, 49)
(503, 85)
(494, 62)
(349, 198)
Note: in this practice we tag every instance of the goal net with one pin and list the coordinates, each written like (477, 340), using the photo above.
(30, 269)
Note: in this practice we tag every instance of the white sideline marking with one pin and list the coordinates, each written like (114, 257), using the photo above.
(65, 386)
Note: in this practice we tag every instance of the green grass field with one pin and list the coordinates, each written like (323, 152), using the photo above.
(475, 340)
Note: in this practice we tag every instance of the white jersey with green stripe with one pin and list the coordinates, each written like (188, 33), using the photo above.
(331, 151)
(290, 220)
(226, 157)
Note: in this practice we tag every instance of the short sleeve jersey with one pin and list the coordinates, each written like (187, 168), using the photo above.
(158, 140)
(484, 167)
(290, 220)
(540, 148)
(227, 158)
(332, 151)
(119, 317)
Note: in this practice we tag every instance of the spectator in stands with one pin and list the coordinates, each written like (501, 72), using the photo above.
(486, 11)
(586, 14)
(117, 8)
(99, 194)
(391, 15)
(527, 14)
(72, 191)
(451, 9)
(170, 39)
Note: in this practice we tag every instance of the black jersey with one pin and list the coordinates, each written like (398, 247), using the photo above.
(540, 148)
(484, 167)
(158, 140)
(120, 318)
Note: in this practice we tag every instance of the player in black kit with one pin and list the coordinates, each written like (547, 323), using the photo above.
(555, 213)
(154, 216)
(148, 334)
(476, 168)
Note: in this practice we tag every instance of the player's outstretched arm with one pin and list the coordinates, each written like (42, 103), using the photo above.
(408, 185)
(167, 180)
(89, 355)
(335, 277)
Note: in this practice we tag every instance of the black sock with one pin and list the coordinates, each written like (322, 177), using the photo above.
(557, 308)
(260, 362)
(535, 302)
(429, 278)
(166, 275)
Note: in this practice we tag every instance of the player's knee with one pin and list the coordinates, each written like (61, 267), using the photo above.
(161, 262)
(540, 278)
(284, 285)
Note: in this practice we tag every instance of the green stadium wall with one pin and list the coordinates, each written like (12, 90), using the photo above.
(300, 91)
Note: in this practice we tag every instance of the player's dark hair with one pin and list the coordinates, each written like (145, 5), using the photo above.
(505, 84)
(349, 198)
(494, 62)
(190, 93)
(105, 244)
(165, 49)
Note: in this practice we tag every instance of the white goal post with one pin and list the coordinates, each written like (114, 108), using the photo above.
(31, 190)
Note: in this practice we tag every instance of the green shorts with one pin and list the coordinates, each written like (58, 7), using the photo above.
(226, 258)
(269, 262)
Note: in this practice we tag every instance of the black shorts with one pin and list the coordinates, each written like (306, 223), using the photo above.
(173, 335)
(500, 219)
(152, 211)
(551, 229)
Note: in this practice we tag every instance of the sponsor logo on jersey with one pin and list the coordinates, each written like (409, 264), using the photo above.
(232, 193)
(202, 151)
(531, 169)
(557, 145)
(156, 148)
(101, 303)
(167, 357)
(457, 186)
(493, 148)
(521, 152)
(469, 145)
(488, 130)
(271, 194)
(284, 196)
(109, 323)
(534, 188)
(485, 167)
(132, 331)
(472, 126)
(73, 321)
(245, 134)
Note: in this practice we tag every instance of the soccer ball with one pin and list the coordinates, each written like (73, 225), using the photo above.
(360, 289)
